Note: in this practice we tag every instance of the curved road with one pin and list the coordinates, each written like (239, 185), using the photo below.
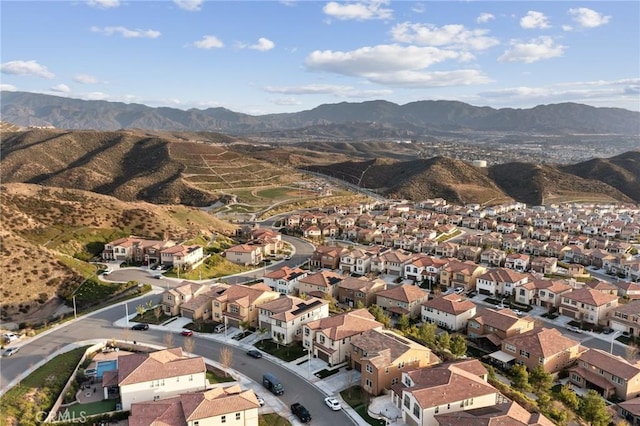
(99, 325)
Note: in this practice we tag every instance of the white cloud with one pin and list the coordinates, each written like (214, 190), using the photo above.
(378, 59)
(208, 42)
(85, 79)
(418, 79)
(535, 50)
(62, 88)
(8, 87)
(263, 45)
(338, 91)
(286, 101)
(447, 35)
(97, 96)
(588, 18)
(483, 18)
(104, 4)
(567, 28)
(189, 5)
(418, 8)
(359, 11)
(127, 33)
(533, 20)
(26, 68)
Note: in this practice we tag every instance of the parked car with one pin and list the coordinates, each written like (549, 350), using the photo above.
(186, 333)
(518, 312)
(607, 330)
(301, 412)
(140, 326)
(260, 399)
(219, 328)
(574, 329)
(10, 351)
(459, 290)
(254, 353)
(333, 403)
(10, 337)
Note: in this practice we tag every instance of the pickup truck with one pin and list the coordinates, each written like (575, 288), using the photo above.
(301, 412)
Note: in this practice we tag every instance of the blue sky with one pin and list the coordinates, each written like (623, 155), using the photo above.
(261, 57)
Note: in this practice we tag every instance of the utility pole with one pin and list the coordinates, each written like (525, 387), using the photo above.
(126, 312)
(75, 312)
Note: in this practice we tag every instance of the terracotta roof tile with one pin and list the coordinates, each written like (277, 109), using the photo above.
(345, 325)
(544, 342)
(454, 304)
(405, 293)
(139, 368)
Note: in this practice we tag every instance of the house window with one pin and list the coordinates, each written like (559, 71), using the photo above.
(234, 309)
(369, 368)
(196, 423)
(395, 381)
(416, 410)
(524, 353)
(216, 304)
(306, 331)
(237, 416)
(169, 297)
(401, 364)
(386, 370)
(223, 419)
(437, 410)
(510, 347)
(322, 339)
(407, 403)
(368, 383)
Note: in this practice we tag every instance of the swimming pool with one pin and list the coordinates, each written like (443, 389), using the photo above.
(102, 366)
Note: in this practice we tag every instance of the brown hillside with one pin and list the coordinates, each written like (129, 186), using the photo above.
(538, 184)
(44, 228)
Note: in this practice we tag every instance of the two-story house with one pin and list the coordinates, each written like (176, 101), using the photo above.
(284, 280)
(382, 355)
(239, 304)
(330, 338)
(608, 374)
(442, 389)
(136, 249)
(546, 347)
(173, 298)
(457, 274)
(589, 305)
(353, 291)
(199, 306)
(245, 254)
(356, 261)
(423, 268)
(320, 284)
(450, 312)
(223, 405)
(517, 261)
(181, 255)
(149, 376)
(489, 327)
(284, 317)
(542, 292)
(626, 318)
(403, 299)
(505, 413)
(326, 257)
(500, 281)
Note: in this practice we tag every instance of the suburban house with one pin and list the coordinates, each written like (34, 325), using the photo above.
(245, 254)
(136, 249)
(356, 261)
(326, 257)
(630, 411)
(491, 326)
(493, 257)
(545, 347)
(173, 298)
(442, 389)
(285, 279)
(352, 291)
(320, 284)
(458, 274)
(500, 282)
(626, 318)
(608, 374)
(199, 306)
(401, 300)
(424, 268)
(149, 376)
(628, 289)
(506, 413)
(542, 292)
(223, 405)
(450, 312)
(382, 355)
(589, 305)
(239, 304)
(282, 318)
(330, 338)
(181, 255)
(391, 262)
(517, 261)
(270, 240)
(544, 265)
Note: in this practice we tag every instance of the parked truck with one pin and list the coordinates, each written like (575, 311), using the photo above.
(272, 383)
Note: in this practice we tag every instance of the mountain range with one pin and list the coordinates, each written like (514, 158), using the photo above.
(372, 119)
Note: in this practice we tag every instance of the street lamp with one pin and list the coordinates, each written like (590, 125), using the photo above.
(613, 338)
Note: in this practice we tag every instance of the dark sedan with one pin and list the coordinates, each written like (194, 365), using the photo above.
(254, 353)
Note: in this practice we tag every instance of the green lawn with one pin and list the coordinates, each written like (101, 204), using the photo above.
(202, 326)
(272, 419)
(286, 353)
(356, 397)
(92, 408)
(213, 267)
(215, 378)
(38, 391)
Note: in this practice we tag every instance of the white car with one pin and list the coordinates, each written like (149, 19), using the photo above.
(333, 403)
(574, 329)
(260, 399)
(10, 351)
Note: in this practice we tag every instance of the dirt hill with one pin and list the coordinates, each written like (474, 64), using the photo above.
(47, 231)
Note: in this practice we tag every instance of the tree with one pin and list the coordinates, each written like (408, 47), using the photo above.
(444, 340)
(157, 312)
(189, 344)
(427, 333)
(458, 345)
(593, 409)
(168, 339)
(569, 397)
(244, 325)
(379, 315)
(359, 304)
(520, 378)
(544, 399)
(140, 309)
(149, 304)
(540, 380)
(403, 323)
(226, 359)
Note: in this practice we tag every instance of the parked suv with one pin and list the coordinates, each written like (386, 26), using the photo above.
(301, 412)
